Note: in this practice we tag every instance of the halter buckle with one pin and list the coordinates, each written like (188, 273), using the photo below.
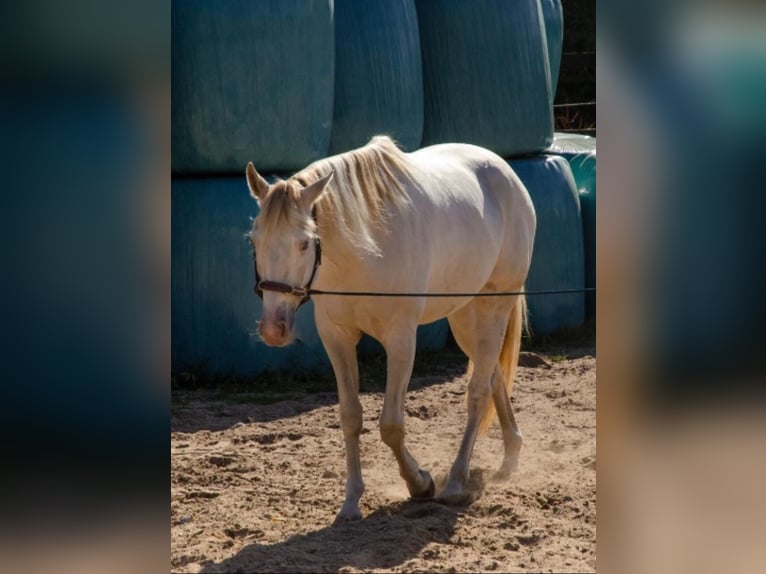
(262, 286)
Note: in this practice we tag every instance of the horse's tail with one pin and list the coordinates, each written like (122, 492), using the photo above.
(509, 356)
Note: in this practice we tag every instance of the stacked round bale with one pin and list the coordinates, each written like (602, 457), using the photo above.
(557, 260)
(553, 15)
(252, 81)
(580, 152)
(378, 74)
(486, 74)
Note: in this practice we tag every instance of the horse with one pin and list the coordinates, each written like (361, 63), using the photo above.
(449, 218)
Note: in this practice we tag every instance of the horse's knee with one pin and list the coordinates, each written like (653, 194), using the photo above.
(392, 434)
(351, 421)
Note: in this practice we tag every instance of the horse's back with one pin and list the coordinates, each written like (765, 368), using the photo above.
(454, 163)
(461, 173)
(468, 155)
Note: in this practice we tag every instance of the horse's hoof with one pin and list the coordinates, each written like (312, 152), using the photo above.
(428, 492)
(455, 499)
(502, 475)
(347, 515)
(341, 518)
(509, 466)
(454, 495)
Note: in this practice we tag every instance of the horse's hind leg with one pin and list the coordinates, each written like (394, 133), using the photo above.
(479, 329)
(400, 356)
(505, 373)
(341, 348)
(512, 438)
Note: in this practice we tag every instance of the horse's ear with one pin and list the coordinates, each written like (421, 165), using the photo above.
(310, 194)
(258, 186)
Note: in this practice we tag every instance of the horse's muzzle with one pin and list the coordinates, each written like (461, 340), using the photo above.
(275, 334)
(276, 327)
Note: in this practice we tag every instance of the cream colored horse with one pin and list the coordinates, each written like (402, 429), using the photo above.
(447, 218)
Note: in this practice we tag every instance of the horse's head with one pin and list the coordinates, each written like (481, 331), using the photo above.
(284, 238)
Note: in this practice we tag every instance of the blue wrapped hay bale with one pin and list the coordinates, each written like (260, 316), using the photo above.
(214, 310)
(583, 167)
(252, 81)
(553, 14)
(557, 260)
(378, 77)
(486, 76)
(580, 151)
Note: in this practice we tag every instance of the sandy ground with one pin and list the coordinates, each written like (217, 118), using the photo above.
(255, 488)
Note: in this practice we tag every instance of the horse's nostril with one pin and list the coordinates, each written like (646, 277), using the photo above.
(275, 334)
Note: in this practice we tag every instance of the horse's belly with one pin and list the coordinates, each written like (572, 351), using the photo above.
(462, 278)
(459, 269)
(438, 308)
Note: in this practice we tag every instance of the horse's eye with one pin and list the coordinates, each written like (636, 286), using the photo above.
(304, 245)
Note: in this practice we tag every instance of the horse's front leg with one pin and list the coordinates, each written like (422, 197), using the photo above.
(340, 345)
(400, 356)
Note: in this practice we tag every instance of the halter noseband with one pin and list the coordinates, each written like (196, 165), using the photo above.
(303, 292)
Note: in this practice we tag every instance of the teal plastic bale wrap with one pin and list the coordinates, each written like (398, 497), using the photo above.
(252, 81)
(580, 151)
(557, 260)
(553, 14)
(433, 335)
(378, 74)
(570, 144)
(583, 167)
(214, 310)
(486, 76)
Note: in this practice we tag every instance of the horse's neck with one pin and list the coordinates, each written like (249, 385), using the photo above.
(335, 245)
(344, 263)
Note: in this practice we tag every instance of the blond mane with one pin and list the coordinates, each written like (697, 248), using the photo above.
(280, 208)
(367, 185)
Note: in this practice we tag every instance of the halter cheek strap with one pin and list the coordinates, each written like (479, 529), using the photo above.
(303, 292)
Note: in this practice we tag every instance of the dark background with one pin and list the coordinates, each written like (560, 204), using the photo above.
(577, 78)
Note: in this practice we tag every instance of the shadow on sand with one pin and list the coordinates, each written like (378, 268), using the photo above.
(199, 412)
(387, 538)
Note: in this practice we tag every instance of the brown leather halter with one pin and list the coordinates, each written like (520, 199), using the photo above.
(303, 292)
